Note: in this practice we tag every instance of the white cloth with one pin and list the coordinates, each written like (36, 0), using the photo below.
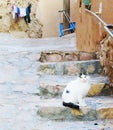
(22, 12)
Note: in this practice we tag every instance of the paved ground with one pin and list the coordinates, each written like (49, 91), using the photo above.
(19, 85)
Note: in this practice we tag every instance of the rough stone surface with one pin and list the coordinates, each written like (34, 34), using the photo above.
(70, 67)
(105, 54)
(58, 56)
(58, 112)
(96, 89)
(9, 25)
(19, 80)
(87, 56)
(19, 86)
(54, 88)
(97, 108)
(78, 125)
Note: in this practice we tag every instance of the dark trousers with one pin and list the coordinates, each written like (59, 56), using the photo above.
(27, 19)
(88, 7)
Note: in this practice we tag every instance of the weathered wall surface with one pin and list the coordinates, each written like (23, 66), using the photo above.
(48, 14)
(89, 30)
(20, 28)
(105, 54)
(44, 18)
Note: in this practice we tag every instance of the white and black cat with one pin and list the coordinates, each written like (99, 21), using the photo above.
(74, 93)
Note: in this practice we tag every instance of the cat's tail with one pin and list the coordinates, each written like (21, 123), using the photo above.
(71, 105)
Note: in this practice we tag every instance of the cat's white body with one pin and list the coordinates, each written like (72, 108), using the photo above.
(76, 91)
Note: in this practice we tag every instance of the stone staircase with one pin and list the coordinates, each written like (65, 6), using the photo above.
(56, 69)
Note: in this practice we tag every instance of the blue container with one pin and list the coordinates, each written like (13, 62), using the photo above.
(72, 27)
(61, 29)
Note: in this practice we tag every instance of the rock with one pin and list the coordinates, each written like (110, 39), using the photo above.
(105, 54)
(97, 108)
(86, 56)
(48, 56)
(54, 88)
(96, 89)
(70, 67)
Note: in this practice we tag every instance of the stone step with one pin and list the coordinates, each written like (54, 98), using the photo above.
(62, 56)
(69, 68)
(53, 85)
(79, 125)
(98, 108)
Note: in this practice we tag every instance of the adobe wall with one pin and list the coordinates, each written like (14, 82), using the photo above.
(49, 16)
(44, 18)
(89, 30)
(20, 28)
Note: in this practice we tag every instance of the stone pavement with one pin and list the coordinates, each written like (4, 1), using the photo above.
(19, 84)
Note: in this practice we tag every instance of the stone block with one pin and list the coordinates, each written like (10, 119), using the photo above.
(70, 68)
(71, 57)
(53, 86)
(53, 110)
(59, 56)
(105, 113)
(97, 108)
(62, 56)
(54, 58)
(49, 91)
(83, 56)
(96, 89)
(105, 107)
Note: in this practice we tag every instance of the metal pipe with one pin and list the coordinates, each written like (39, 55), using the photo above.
(110, 33)
(104, 24)
(96, 16)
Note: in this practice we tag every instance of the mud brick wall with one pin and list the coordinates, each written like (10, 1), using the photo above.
(88, 29)
(9, 25)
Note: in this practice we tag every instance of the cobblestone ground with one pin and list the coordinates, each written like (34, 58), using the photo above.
(19, 80)
(19, 85)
